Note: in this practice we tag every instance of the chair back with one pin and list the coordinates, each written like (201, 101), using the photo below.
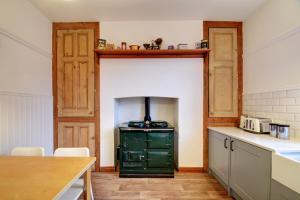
(28, 151)
(72, 152)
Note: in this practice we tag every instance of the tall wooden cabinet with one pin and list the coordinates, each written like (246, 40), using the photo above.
(223, 77)
(223, 73)
(75, 73)
(76, 86)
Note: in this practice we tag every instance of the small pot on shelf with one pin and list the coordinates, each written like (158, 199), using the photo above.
(134, 47)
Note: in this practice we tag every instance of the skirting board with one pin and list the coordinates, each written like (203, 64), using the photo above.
(107, 169)
(181, 169)
(191, 169)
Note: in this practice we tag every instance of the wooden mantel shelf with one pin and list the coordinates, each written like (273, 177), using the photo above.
(187, 53)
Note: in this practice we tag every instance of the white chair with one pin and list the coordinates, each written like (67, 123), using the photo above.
(72, 152)
(77, 188)
(28, 151)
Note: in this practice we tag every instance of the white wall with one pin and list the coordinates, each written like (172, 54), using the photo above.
(25, 77)
(133, 108)
(272, 63)
(139, 32)
(177, 78)
(25, 49)
(271, 47)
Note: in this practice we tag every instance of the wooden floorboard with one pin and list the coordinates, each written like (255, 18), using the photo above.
(185, 186)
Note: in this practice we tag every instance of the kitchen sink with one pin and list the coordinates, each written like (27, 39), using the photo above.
(294, 155)
(286, 167)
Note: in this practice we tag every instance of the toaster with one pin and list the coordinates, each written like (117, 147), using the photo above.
(255, 124)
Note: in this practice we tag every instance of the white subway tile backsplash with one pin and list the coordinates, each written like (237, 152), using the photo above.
(280, 106)
(287, 116)
(244, 107)
(272, 115)
(293, 93)
(279, 94)
(279, 121)
(252, 108)
(249, 96)
(297, 117)
(287, 101)
(267, 95)
(296, 125)
(260, 114)
(293, 109)
(266, 108)
(251, 102)
(292, 133)
(298, 101)
(254, 96)
(250, 113)
(259, 102)
(272, 102)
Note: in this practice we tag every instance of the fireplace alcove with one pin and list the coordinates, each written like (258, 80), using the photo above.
(133, 108)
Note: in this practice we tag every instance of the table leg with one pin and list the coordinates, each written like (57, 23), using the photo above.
(87, 185)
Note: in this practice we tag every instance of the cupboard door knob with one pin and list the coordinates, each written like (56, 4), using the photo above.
(225, 143)
(231, 145)
(142, 157)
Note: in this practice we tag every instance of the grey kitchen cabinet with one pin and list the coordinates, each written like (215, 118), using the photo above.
(244, 169)
(219, 156)
(250, 171)
(281, 192)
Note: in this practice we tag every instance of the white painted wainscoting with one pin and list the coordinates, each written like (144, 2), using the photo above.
(25, 120)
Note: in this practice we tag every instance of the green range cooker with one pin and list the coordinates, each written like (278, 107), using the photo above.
(146, 150)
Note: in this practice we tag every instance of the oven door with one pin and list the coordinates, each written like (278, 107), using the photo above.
(133, 151)
(133, 160)
(160, 140)
(159, 158)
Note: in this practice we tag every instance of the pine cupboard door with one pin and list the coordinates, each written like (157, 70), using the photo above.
(223, 72)
(75, 73)
(77, 135)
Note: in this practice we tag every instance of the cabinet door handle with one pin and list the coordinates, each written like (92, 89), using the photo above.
(129, 155)
(225, 143)
(142, 157)
(231, 145)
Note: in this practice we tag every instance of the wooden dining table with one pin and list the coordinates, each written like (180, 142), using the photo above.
(42, 178)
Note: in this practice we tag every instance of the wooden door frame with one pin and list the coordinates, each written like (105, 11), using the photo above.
(96, 119)
(220, 121)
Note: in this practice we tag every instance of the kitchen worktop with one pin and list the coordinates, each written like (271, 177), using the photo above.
(264, 141)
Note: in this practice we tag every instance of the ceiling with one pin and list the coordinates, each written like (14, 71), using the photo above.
(135, 10)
